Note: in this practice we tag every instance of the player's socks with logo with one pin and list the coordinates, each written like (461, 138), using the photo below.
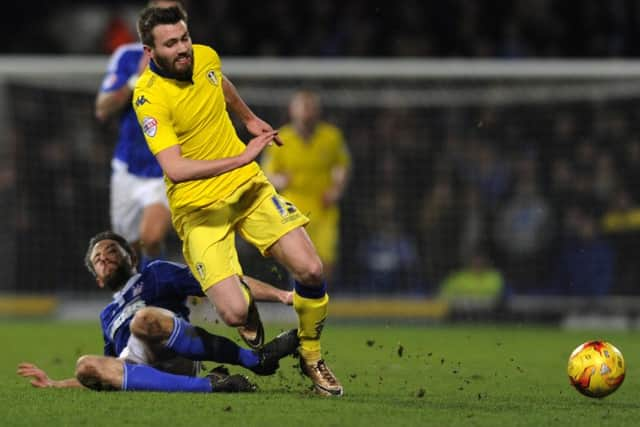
(146, 378)
(311, 306)
(310, 303)
(195, 343)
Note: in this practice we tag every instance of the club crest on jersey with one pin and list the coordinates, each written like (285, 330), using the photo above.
(211, 75)
(202, 272)
(149, 126)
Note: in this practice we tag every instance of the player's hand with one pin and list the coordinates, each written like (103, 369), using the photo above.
(287, 298)
(256, 127)
(257, 144)
(40, 379)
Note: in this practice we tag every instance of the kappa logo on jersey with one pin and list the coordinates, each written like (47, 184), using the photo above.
(202, 272)
(211, 75)
(141, 101)
(149, 126)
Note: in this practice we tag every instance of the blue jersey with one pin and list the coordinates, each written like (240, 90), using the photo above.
(131, 148)
(161, 284)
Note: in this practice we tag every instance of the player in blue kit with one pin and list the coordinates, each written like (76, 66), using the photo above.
(139, 210)
(149, 342)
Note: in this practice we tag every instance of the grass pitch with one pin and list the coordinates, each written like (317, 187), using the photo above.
(394, 375)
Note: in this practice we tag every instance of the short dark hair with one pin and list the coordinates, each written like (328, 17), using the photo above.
(152, 16)
(107, 235)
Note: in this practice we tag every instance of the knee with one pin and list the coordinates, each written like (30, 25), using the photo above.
(151, 324)
(88, 372)
(312, 273)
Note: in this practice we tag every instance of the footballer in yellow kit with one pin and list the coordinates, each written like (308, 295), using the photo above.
(171, 112)
(215, 188)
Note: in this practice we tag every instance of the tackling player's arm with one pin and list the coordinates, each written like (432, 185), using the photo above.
(40, 379)
(255, 125)
(262, 291)
(181, 169)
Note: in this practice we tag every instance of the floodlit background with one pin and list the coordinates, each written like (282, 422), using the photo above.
(492, 141)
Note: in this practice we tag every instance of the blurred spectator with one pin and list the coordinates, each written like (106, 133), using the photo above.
(522, 232)
(474, 224)
(439, 226)
(485, 168)
(621, 225)
(585, 265)
(386, 252)
(477, 281)
(359, 28)
(117, 33)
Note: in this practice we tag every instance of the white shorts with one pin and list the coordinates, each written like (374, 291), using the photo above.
(130, 194)
(138, 352)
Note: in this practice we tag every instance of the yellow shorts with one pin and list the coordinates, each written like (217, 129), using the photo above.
(256, 211)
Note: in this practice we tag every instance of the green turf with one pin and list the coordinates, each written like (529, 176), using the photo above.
(393, 376)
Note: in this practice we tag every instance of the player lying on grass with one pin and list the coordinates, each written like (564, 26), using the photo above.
(149, 342)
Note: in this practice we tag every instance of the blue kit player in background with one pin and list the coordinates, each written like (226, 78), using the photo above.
(149, 342)
(139, 209)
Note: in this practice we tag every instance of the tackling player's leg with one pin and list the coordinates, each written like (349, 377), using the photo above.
(158, 329)
(110, 373)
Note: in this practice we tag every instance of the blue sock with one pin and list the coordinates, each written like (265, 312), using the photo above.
(195, 343)
(146, 378)
(247, 358)
(311, 292)
(185, 341)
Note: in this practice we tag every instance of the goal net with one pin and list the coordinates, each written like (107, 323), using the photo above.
(520, 173)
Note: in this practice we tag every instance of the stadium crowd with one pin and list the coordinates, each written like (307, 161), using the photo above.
(543, 194)
(511, 29)
(546, 194)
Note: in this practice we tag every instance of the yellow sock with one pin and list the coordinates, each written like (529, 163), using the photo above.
(312, 313)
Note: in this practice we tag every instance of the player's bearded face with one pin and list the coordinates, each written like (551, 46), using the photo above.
(112, 265)
(118, 277)
(173, 51)
(179, 65)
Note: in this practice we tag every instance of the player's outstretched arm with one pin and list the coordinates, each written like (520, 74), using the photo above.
(181, 169)
(40, 379)
(263, 291)
(255, 125)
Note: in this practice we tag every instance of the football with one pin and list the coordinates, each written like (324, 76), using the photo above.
(596, 368)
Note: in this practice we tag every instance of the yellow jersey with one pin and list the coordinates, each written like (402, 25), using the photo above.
(308, 164)
(191, 114)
